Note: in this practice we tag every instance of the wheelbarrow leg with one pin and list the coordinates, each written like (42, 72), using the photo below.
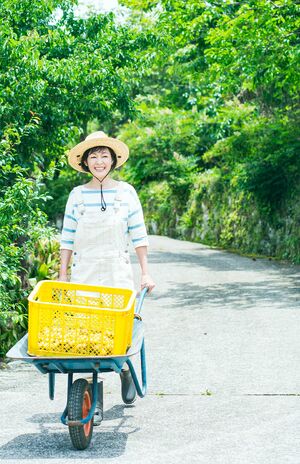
(51, 380)
(65, 413)
(98, 416)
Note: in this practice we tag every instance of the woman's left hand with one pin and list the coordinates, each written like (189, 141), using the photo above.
(147, 282)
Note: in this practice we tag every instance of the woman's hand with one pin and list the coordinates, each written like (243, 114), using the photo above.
(147, 282)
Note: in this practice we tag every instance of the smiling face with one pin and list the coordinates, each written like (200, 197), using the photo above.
(100, 162)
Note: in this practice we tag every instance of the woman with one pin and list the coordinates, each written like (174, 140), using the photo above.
(101, 217)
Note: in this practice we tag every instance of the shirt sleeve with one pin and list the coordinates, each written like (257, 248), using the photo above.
(69, 225)
(136, 224)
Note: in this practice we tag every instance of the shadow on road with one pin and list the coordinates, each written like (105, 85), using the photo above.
(238, 296)
(107, 441)
(219, 261)
(270, 283)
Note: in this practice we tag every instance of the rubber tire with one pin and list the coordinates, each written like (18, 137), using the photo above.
(80, 397)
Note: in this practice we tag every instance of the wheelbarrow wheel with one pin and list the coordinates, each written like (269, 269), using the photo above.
(79, 405)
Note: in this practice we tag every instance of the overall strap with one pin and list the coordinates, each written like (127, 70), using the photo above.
(118, 196)
(79, 199)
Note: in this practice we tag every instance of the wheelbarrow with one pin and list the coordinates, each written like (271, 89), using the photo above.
(82, 395)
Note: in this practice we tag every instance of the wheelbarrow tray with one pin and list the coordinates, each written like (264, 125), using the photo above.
(64, 364)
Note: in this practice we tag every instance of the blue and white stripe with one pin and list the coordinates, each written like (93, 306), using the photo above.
(131, 210)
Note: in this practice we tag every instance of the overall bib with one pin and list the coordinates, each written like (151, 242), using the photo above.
(100, 254)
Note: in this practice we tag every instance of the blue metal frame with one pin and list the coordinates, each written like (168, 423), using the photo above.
(87, 419)
(141, 391)
(139, 305)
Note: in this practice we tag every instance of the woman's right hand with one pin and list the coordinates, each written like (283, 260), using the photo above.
(147, 282)
(63, 278)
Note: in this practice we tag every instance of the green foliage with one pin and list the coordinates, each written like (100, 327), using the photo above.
(21, 225)
(43, 260)
(218, 215)
(161, 142)
(13, 325)
(254, 52)
(21, 267)
(70, 72)
(161, 207)
(59, 188)
(263, 159)
(228, 73)
(55, 77)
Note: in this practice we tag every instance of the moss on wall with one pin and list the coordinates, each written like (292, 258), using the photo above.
(218, 213)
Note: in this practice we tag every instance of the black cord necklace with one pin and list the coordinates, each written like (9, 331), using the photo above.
(103, 202)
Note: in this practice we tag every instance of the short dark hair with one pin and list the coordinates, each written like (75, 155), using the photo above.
(89, 151)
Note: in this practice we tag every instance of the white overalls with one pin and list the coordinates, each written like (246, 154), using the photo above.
(100, 254)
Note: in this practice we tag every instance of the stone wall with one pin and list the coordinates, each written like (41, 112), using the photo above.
(219, 214)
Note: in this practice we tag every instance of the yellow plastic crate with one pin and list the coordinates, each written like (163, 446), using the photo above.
(68, 319)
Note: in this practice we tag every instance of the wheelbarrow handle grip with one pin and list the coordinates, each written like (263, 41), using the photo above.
(143, 293)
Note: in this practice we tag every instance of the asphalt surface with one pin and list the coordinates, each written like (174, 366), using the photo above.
(222, 339)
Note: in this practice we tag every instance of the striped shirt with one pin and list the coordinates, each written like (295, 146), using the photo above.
(131, 212)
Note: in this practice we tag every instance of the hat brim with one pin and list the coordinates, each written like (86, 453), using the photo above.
(120, 148)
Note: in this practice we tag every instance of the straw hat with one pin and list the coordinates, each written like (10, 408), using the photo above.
(96, 139)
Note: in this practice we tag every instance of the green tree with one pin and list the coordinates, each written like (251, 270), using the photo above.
(233, 69)
(55, 77)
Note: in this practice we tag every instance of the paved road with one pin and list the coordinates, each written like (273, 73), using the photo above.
(224, 378)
